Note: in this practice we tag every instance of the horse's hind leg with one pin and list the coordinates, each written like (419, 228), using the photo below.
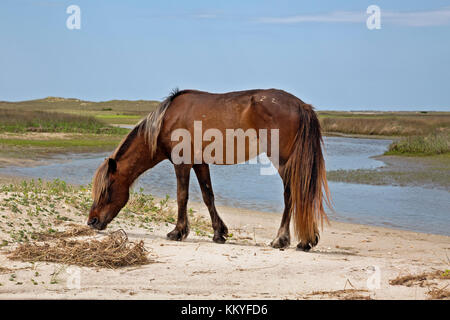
(181, 230)
(204, 179)
(283, 238)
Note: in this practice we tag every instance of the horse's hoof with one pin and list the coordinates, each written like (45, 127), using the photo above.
(308, 246)
(177, 235)
(304, 247)
(316, 240)
(219, 239)
(280, 243)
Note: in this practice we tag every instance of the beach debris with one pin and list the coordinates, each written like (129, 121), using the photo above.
(76, 230)
(345, 294)
(419, 279)
(4, 270)
(439, 293)
(113, 251)
(427, 279)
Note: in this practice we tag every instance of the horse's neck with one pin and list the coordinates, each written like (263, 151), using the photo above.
(137, 159)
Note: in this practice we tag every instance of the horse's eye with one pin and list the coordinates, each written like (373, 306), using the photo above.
(109, 192)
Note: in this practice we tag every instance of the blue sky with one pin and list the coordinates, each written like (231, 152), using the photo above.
(320, 51)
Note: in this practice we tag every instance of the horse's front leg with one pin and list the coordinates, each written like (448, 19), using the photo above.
(181, 230)
(204, 180)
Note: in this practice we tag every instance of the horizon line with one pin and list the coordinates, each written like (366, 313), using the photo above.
(328, 108)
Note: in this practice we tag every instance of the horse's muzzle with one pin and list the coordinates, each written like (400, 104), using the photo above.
(92, 222)
(96, 224)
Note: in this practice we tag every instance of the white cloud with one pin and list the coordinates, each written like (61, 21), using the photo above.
(338, 16)
(417, 18)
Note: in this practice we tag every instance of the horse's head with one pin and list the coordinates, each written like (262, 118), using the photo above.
(110, 194)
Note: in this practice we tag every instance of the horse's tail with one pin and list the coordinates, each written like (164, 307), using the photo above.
(306, 176)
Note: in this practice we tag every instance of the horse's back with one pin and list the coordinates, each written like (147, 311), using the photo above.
(264, 109)
(237, 109)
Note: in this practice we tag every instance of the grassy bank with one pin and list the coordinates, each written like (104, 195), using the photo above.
(110, 112)
(364, 123)
(358, 123)
(431, 144)
(60, 140)
(385, 123)
(31, 148)
(20, 121)
(429, 171)
(35, 208)
(31, 134)
(416, 133)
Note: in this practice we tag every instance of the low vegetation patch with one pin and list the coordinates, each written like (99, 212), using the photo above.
(419, 279)
(4, 270)
(119, 118)
(423, 133)
(113, 251)
(72, 142)
(346, 294)
(429, 171)
(439, 293)
(429, 280)
(20, 121)
(34, 210)
(111, 112)
(431, 144)
(74, 231)
(384, 123)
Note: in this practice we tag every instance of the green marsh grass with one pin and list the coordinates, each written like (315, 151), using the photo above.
(19, 121)
(384, 123)
(431, 144)
(87, 141)
(111, 112)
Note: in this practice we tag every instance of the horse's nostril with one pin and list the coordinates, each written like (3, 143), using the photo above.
(92, 221)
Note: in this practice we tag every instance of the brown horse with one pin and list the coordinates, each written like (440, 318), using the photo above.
(300, 159)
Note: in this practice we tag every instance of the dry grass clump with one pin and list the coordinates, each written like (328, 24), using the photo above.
(346, 294)
(439, 293)
(75, 231)
(425, 280)
(114, 251)
(4, 270)
(419, 279)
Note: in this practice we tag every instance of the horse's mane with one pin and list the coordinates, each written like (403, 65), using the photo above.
(100, 182)
(150, 126)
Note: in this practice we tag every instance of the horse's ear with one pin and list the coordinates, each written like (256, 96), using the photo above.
(112, 165)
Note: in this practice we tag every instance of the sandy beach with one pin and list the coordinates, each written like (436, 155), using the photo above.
(126, 124)
(351, 262)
